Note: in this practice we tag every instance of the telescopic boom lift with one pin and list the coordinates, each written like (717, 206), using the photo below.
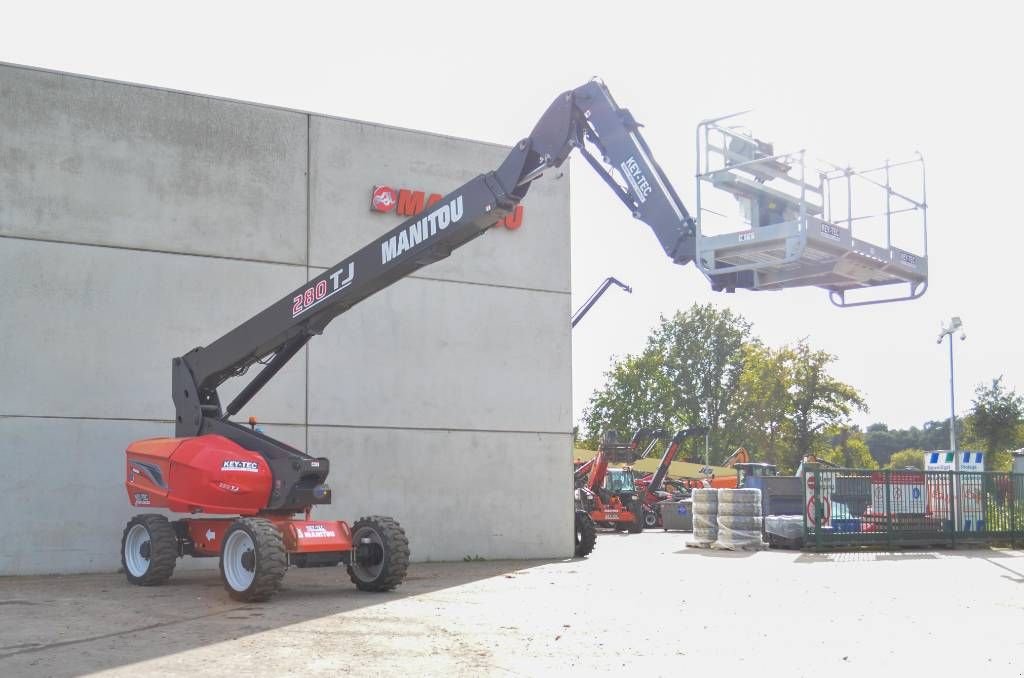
(217, 466)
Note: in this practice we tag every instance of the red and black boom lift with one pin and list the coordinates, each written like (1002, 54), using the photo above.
(261, 491)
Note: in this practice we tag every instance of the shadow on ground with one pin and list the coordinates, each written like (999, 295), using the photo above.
(84, 623)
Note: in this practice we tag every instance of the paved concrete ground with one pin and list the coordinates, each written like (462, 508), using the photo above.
(639, 603)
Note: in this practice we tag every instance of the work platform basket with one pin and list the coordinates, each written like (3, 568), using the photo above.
(809, 223)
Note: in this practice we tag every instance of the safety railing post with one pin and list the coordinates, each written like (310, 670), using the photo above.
(888, 508)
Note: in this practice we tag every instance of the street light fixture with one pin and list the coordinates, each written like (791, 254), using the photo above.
(954, 324)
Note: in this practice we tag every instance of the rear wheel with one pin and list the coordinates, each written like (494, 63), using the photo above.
(252, 559)
(637, 525)
(380, 554)
(149, 549)
(650, 519)
(586, 534)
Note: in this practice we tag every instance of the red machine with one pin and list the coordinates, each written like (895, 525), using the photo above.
(261, 491)
(610, 496)
(651, 486)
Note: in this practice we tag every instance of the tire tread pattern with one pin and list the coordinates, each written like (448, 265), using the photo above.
(163, 549)
(587, 534)
(271, 560)
(396, 553)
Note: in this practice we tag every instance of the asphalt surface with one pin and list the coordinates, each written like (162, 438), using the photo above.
(641, 603)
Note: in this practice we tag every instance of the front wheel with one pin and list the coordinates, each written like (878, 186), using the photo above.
(252, 559)
(380, 554)
(586, 534)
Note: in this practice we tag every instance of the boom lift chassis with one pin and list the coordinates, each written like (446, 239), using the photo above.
(217, 466)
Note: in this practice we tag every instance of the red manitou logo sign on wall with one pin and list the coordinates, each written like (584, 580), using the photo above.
(407, 203)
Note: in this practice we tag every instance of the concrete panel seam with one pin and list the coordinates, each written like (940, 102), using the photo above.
(309, 269)
(150, 250)
(440, 429)
(252, 104)
(321, 269)
(284, 423)
(61, 417)
(305, 350)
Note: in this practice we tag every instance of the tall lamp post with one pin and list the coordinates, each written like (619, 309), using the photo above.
(954, 324)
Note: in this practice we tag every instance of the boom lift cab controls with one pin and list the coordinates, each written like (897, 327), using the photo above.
(261, 491)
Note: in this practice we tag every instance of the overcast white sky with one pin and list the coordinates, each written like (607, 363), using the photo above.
(855, 81)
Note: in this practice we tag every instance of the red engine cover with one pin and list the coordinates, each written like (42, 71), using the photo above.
(205, 474)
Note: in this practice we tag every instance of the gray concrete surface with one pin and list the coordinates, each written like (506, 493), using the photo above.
(640, 605)
(138, 223)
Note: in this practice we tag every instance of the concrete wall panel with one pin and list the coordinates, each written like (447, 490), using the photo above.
(137, 223)
(348, 158)
(90, 161)
(90, 331)
(457, 494)
(434, 354)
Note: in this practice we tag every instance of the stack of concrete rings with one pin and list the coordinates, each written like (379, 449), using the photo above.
(705, 516)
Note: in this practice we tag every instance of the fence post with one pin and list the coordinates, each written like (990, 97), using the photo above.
(1012, 501)
(888, 508)
(950, 510)
(817, 510)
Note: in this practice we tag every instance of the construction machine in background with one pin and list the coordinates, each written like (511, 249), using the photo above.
(652, 485)
(610, 495)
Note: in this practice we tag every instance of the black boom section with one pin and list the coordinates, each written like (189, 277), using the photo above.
(586, 118)
(281, 329)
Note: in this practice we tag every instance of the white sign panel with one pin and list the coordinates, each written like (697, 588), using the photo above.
(906, 493)
(827, 482)
(970, 462)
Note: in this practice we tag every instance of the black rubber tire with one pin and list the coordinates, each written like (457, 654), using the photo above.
(271, 561)
(637, 526)
(163, 549)
(586, 535)
(739, 510)
(747, 495)
(395, 557)
(619, 527)
(650, 520)
(704, 495)
(740, 523)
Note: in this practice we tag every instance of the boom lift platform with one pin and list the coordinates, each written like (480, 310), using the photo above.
(808, 225)
(257, 493)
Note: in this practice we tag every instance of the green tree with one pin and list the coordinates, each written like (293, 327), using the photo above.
(703, 367)
(636, 394)
(760, 418)
(904, 458)
(819, 400)
(845, 446)
(685, 377)
(995, 416)
(702, 353)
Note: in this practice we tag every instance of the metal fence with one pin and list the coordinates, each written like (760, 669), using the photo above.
(850, 507)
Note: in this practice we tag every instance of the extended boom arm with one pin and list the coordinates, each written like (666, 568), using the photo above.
(586, 118)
